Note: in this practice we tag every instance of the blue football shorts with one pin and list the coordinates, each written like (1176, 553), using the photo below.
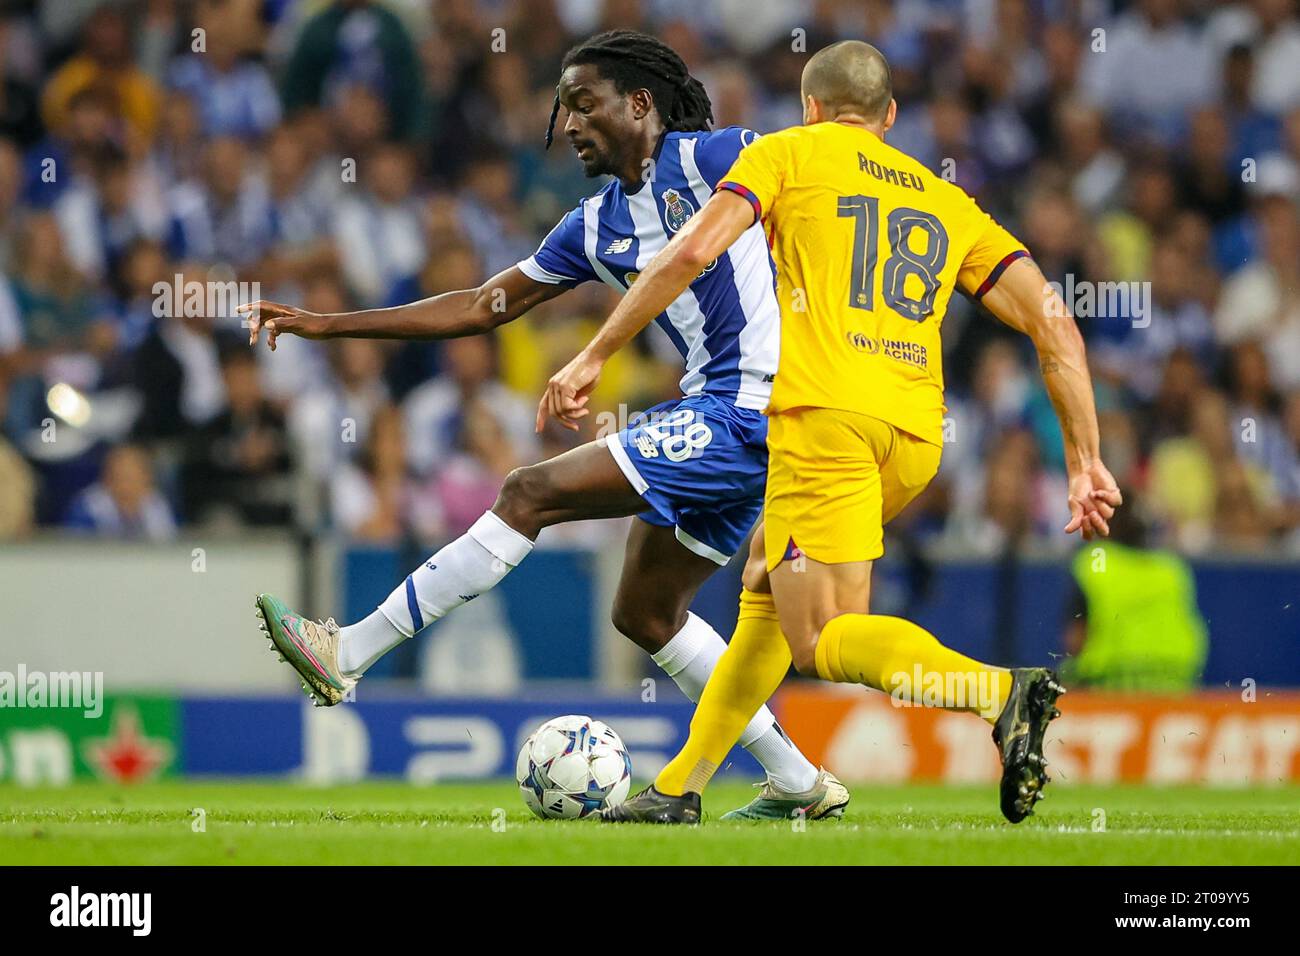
(700, 463)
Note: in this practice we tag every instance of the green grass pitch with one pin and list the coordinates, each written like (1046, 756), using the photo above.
(396, 823)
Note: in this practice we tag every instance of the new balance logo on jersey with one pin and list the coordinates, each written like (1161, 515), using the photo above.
(618, 246)
(646, 446)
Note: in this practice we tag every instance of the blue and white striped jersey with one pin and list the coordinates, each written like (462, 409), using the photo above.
(726, 324)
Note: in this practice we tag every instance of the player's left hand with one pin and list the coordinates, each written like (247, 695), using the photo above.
(568, 390)
(1094, 496)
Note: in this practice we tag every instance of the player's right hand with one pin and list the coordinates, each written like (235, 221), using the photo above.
(1094, 496)
(568, 391)
(277, 319)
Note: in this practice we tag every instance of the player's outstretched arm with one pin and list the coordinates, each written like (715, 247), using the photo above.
(1023, 300)
(504, 297)
(706, 236)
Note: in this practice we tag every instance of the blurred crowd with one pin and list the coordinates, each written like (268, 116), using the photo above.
(343, 154)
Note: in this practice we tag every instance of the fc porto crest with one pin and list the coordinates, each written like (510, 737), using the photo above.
(677, 209)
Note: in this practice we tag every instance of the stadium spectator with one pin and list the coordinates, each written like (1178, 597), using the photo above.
(451, 265)
(375, 498)
(101, 214)
(1199, 484)
(300, 199)
(1096, 169)
(1151, 68)
(105, 63)
(1209, 176)
(19, 105)
(435, 411)
(1176, 321)
(1275, 35)
(1011, 503)
(378, 229)
(468, 482)
(1169, 413)
(224, 215)
(125, 503)
(488, 211)
(331, 419)
(176, 368)
(1261, 438)
(1259, 300)
(356, 44)
(143, 264)
(1254, 131)
(1128, 234)
(234, 93)
(178, 151)
(66, 329)
(238, 468)
(997, 401)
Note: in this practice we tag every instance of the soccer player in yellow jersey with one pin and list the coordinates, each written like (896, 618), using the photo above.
(869, 246)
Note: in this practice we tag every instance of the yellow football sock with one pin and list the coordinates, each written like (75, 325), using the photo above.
(907, 661)
(745, 676)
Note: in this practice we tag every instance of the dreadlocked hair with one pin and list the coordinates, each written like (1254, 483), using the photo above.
(635, 61)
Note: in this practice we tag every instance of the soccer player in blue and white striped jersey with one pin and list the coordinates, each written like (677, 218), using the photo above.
(692, 470)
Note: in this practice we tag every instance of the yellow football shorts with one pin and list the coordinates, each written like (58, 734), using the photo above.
(834, 479)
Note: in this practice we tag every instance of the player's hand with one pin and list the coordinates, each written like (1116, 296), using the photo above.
(568, 390)
(1094, 496)
(278, 319)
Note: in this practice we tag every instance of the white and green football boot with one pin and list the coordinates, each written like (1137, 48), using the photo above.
(310, 647)
(826, 800)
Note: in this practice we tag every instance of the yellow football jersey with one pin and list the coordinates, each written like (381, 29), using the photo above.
(869, 245)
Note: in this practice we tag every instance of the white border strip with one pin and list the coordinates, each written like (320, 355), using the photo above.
(639, 484)
(531, 268)
(700, 548)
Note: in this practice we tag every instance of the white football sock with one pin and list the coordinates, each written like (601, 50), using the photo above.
(689, 659)
(473, 563)
(363, 643)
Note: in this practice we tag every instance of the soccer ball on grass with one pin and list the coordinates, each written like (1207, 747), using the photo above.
(571, 767)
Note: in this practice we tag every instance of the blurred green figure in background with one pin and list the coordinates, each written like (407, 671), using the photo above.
(1134, 624)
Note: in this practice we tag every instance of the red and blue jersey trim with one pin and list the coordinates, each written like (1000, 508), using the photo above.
(998, 269)
(741, 191)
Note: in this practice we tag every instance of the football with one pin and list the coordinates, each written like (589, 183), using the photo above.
(573, 766)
